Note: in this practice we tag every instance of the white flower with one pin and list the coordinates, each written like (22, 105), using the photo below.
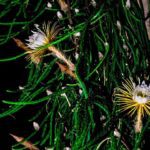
(141, 93)
(134, 99)
(42, 36)
(39, 38)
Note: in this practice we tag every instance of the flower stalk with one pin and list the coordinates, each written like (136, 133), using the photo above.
(138, 124)
(61, 56)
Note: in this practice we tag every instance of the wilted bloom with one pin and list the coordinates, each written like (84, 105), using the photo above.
(134, 99)
(66, 70)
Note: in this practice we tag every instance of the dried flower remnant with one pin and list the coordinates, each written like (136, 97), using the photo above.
(62, 57)
(63, 5)
(135, 99)
(66, 70)
(34, 56)
(25, 143)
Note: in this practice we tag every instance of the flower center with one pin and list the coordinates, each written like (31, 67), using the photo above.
(141, 98)
(141, 95)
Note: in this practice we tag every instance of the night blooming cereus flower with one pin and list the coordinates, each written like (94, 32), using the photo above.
(134, 99)
(42, 37)
(39, 38)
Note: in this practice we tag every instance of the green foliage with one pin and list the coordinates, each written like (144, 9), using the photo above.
(68, 117)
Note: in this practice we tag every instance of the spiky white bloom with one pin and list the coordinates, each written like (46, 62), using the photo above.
(141, 93)
(37, 39)
(42, 36)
